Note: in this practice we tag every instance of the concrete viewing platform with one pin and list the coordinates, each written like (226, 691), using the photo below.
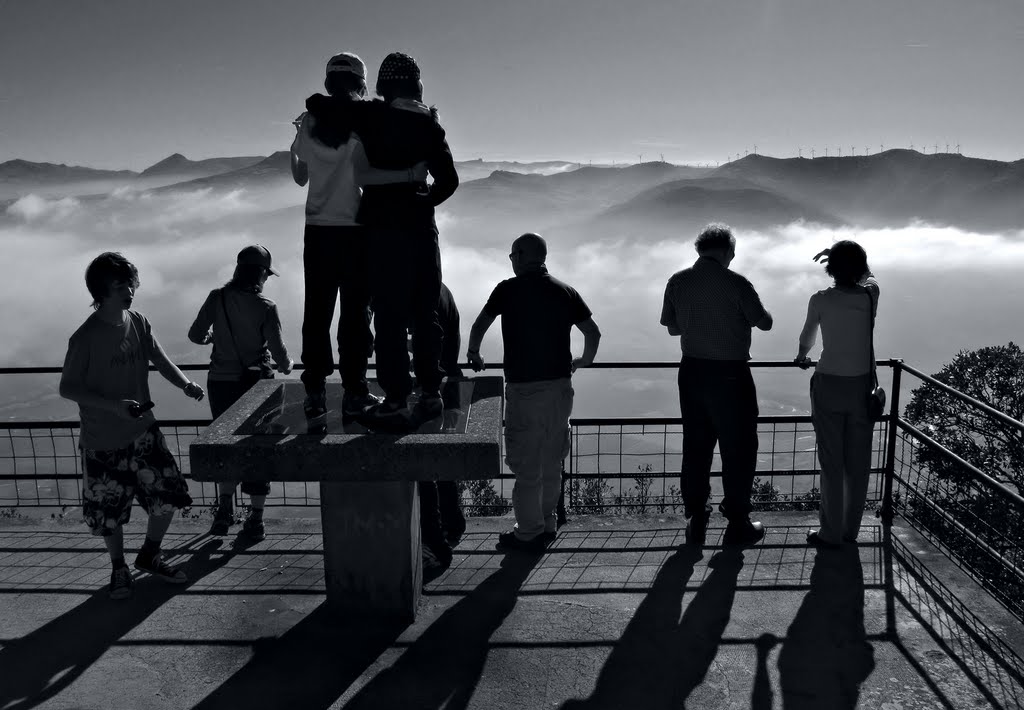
(617, 614)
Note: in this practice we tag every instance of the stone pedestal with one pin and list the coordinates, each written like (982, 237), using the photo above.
(372, 561)
(368, 480)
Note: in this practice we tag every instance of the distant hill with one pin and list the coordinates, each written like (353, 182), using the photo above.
(546, 197)
(686, 205)
(480, 168)
(896, 186)
(178, 165)
(25, 171)
(275, 168)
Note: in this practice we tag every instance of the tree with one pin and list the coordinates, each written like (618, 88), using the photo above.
(946, 493)
(992, 375)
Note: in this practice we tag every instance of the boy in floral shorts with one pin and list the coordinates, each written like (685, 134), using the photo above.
(124, 455)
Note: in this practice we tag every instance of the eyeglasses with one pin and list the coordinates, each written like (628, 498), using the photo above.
(514, 252)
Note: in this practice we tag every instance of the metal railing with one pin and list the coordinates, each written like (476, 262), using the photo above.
(632, 465)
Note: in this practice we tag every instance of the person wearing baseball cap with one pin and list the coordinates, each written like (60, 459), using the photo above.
(244, 328)
(335, 256)
(256, 255)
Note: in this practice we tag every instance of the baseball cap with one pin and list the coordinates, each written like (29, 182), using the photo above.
(257, 256)
(348, 63)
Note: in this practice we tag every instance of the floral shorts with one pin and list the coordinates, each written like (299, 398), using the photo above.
(145, 470)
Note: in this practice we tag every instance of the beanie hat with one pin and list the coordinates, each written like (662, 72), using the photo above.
(347, 63)
(398, 65)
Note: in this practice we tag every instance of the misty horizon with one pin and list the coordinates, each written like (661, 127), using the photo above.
(615, 235)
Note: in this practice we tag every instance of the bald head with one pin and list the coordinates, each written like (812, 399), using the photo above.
(531, 249)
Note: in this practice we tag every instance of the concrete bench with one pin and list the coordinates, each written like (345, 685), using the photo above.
(368, 480)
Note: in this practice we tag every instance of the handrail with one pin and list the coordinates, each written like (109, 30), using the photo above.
(977, 473)
(612, 364)
(957, 394)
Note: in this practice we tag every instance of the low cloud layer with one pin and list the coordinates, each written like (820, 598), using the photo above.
(943, 289)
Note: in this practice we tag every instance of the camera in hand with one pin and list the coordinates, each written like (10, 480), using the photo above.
(136, 410)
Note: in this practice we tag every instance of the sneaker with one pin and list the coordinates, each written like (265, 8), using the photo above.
(508, 542)
(453, 535)
(254, 529)
(121, 583)
(815, 539)
(156, 566)
(429, 406)
(315, 404)
(743, 533)
(697, 528)
(221, 522)
(433, 566)
(387, 409)
(355, 404)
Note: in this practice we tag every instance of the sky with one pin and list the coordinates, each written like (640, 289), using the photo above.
(125, 83)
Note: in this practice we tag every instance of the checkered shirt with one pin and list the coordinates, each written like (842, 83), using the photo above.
(714, 309)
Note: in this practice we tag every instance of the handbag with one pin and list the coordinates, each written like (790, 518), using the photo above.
(251, 374)
(876, 395)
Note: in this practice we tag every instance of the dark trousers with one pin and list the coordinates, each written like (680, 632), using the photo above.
(222, 394)
(406, 268)
(335, 261)
(719, 405)
(441, 517)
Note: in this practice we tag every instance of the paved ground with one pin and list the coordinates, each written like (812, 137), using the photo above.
(616, 615)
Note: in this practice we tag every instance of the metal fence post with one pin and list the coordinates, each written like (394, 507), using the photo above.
(888, 512)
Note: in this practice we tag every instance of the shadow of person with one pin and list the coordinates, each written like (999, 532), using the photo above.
(662, 656)
(39, 666)
(442, 668)
(826, 656)
(307, 667)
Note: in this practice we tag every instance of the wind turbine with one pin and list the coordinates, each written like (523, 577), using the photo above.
(935, 149)
(812, 153)
(958, 149)
(799, 152)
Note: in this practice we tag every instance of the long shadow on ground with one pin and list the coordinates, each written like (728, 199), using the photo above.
(665, 653)
(826, 655)
(39, 666)
(442, 668)
(314, 663)
(308, 667)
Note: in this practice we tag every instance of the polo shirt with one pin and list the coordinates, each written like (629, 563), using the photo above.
(537, 314)
(714, 309)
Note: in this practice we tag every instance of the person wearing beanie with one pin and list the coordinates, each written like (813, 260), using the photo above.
(397, 132)
(335, 251)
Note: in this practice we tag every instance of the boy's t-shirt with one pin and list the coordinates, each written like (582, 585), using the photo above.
(537, 315)
(111, 361)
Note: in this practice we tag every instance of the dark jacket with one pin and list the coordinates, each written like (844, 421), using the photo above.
(395, 136)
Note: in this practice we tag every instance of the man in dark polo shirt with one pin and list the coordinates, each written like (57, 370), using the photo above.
(712, 310)
(537, 315)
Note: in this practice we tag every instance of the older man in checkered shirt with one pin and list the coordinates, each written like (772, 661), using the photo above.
(713, 310)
